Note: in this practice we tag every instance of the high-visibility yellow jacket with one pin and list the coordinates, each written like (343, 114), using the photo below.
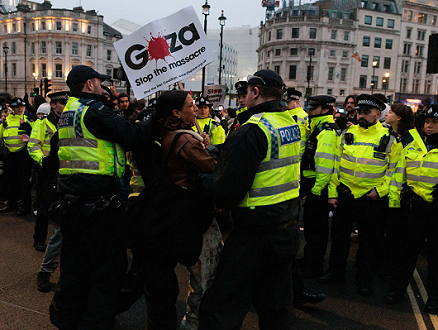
(10, 132)
(358, 164)
(301, 117)
(80, 151)
(325, 150)
(213, 129)
(418, 168)
(39, 141)
(277, 177)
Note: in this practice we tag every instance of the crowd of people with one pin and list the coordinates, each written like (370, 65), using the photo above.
(166, 180)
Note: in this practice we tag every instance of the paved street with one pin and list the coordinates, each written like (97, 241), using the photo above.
(23, 307)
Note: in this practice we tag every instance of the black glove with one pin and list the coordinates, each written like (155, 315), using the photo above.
(435, 192)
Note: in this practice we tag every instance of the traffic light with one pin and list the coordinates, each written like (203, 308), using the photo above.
(47, 84)
(35, 92)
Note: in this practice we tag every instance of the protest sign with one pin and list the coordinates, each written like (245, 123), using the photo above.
(216, 94)
(163, 52)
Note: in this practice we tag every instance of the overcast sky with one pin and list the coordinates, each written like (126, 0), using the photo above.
(237, 12)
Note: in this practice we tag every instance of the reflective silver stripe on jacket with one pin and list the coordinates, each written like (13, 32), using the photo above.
(399, 170)
(323, 169)
(34, 148)
(10, 127)
(399, 185)
(324, 155)
(363, 175)
(430, 165)
(78, 142)
(364, 161)
(13, 145)
(46, 142)
(79, 164)
(278, 163)
(275, 190)
(413, 164)
(13, 137)
(32, 140)
(424, 179)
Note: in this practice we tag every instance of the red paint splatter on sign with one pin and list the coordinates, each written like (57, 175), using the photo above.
(158, 48)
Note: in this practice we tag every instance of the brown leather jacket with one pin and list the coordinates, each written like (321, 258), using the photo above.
(188, 151)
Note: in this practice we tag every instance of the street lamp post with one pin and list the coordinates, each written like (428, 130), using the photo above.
(386, 81)
(205, 12)
(221, 19)
(309, 72)
(5, 50)
(372, 78)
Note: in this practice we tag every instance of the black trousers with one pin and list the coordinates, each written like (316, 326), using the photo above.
(93, 264)
(316, 229)
(418, 225)
(370, 217)
(18, 170)
(254, 269)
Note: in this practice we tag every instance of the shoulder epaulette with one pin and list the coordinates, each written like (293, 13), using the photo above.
(254, 119)
(93, 104)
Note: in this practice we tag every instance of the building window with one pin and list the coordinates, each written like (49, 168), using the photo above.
(14, 27)
(387, 63)
(13, 47)
(385, 83)
(415, 85)
(388, 44)
(379, 21)
(74, 48)
(419, 50)
(334, 34)
(295, 33)
(292, 72)
(58, 49)
(376, 59)
(277, 69)
(279, 34)
(294, 51)
(88, 50)
(43, 70)
(346, 35)
(329, 91)
(89, 29)
(343, 74)
(58, 70)
(312, 33)
(366, 41)
(405, 66)
(368, 20)
(331, 71)
(33, 68)
(278, 52)
(408, 15)
(407, 49)
(374, 82)
(434, 17)
(268, 54)
(417, 68)
(342, 92)
(74, 27)
(377, 42)
(408, 33)
(422, 18)
(43, 47)
(363, 81)
(14, 69)
(58, 26)
(403, 85)
(390, 24)
(108, 55)
(33, 26)
(332, 52)
(311, 52)
(43, 25)
(32, 48)
(427, 86)
(364, 4)
(421, 34)
(109, 72)
(364, 62)
(345, 53)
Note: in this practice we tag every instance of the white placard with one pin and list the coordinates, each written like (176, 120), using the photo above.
(215, 94)
(163, 52)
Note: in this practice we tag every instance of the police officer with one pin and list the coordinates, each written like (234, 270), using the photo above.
(292, 97)
(147, 112)
(39, 148)
(19, 165)
(241, 114)
(416, 180)
(209, 125)
(365, 159)
(317, 166)
(92, 144)
(257, 177)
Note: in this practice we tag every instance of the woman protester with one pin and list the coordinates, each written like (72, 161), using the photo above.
(413, 201)
(177, 212)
